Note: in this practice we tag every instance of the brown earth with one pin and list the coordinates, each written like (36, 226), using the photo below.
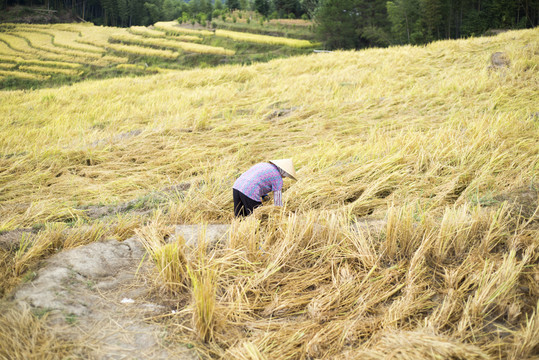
(95, 295)
(523, 202)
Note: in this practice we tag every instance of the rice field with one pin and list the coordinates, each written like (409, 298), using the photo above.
(143, 30)
(7, 66)
(143, 51)
(152, 33)
(411, 233)
(47, 70)
(44, 42)
(171, 44)
(96, 49)
(51, 50)
(6, 51)
(264, 39)
(22, 75)
(172, 27)
(55, 64)
(69, 40)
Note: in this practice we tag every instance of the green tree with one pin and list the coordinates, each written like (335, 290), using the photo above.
(374, 26)
(285, 7)
(154, 10)
(337, 22)
(352, 23)
(171, 9)
(195, 6)
(109, 12)
(233, 4)
(432, 17)
(206, 7)
(405, 16)
(309, 7)
(123, 12)
(262, 7)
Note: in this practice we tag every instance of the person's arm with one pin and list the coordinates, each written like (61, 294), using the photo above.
(277, 198)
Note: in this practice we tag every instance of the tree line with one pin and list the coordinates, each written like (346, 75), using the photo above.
(146, 12)
(342, 24)
(361, 23)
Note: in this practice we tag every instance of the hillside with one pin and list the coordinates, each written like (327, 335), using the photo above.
(33, 56)
(412, 231)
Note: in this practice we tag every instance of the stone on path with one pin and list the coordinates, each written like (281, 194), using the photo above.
(83, 289)
(214, 233)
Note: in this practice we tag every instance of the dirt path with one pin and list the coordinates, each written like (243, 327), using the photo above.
(93, 295)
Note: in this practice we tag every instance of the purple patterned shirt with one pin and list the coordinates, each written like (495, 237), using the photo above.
(259, 180)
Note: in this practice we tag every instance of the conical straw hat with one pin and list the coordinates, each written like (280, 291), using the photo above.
(286, 165)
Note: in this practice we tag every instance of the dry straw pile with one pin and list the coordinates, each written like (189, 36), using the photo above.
(412, 231)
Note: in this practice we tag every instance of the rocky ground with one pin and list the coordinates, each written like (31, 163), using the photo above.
(96, 294)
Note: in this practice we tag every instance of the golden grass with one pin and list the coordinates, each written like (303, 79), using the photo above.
(24, 336)
(69, 40)
(171, 44)
(44, 42)
(131, 66)
(22, 47)
(203, 49)
(10, 58)
(23, 75)
(437, 125)
(48, 70)
(311, 291)
(393, 243)
(169, 259)
(55, 64)
(86, 44)
(6, 66)
(204, 287)
(173, 28)
(6, 51)
(295, 22)
(189, 38)
(109, 60)
(34, 248)
(143, 51)
(99, 35)
(151, 69)
(264, 39)
(143, 30)
(17, 44)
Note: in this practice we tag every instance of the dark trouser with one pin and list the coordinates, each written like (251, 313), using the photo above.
(243, 205)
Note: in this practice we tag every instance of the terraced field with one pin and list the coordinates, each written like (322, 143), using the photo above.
(412, 231)
(31, 54)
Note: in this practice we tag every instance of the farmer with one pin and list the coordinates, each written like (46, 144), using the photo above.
(257, 182)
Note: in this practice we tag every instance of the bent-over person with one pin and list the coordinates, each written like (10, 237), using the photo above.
(258, 182)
